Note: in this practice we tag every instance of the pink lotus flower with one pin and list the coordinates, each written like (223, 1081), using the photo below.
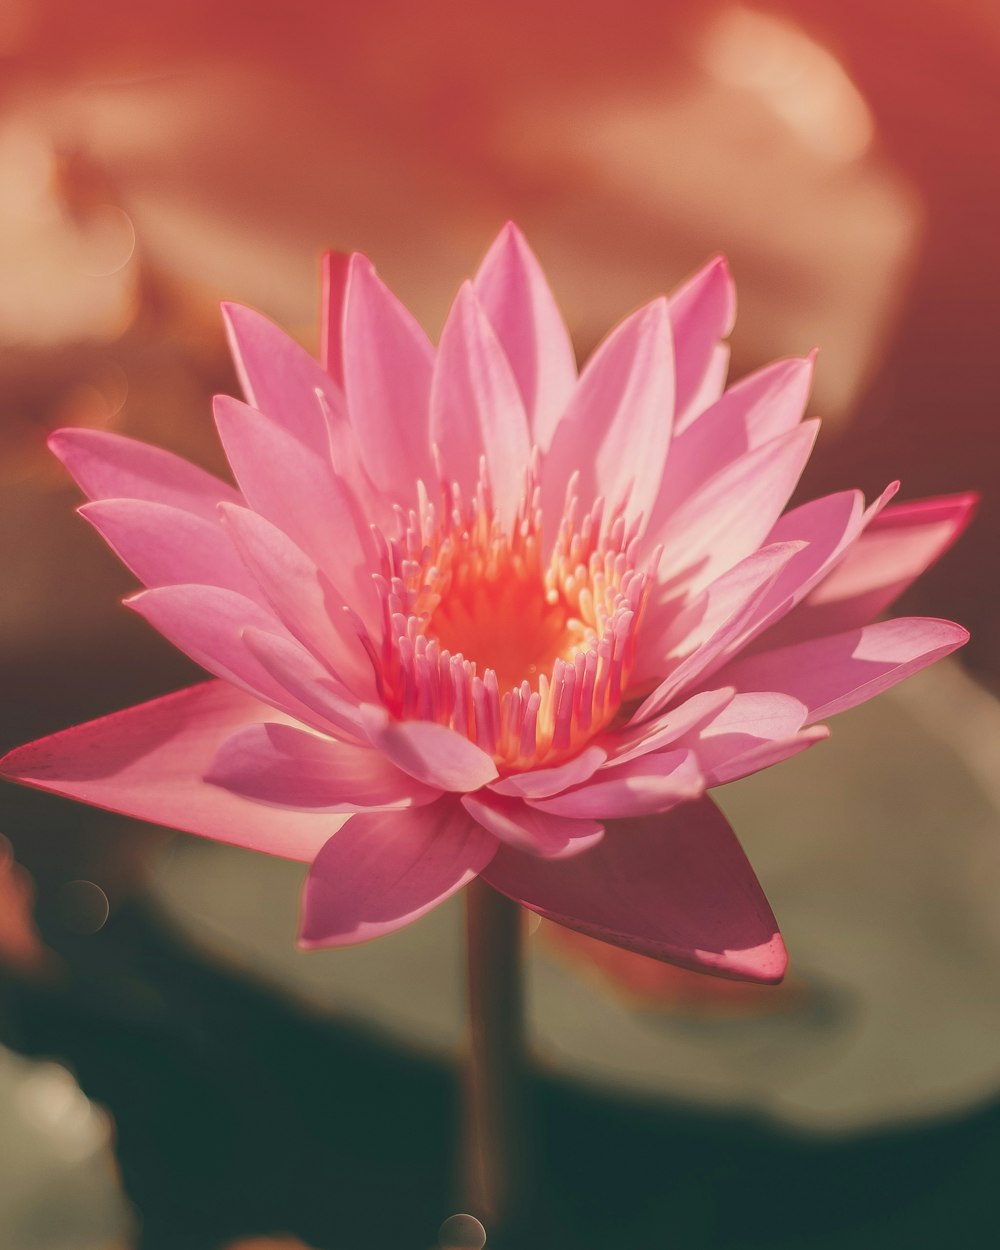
(468, 613)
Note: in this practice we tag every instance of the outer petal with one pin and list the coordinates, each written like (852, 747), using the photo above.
(616, 430)
(387, 380)
(898, 545)
(652, 783)
(640, 737)
(759, 725)
(516, 298)
(476, 407)
(677, 887)
(110, 466)
(149, 762)
(830, 675)
(539, 783)
(288, 767)
(163, 545)
(279, 377)
(385, 869)
(702, 312)
(432, 753)
(336, 267)
(527, 829)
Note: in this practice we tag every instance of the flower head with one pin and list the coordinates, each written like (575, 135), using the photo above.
(468, 613)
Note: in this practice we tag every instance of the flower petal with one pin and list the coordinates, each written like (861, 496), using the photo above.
(279, 377)
(476, 408)
(331, 708)
(616, 429)
(163, 545)
(290, 768)
(383, 870)
(530, 830)
(702, 312)
(640, 737)
(336, 267)
(110, 466)
(432, 753)
(539, 783)
(387, 379)
(748, 722)
(149, 762)
(677, 887)
(515, 296)
(652, 783)
(832, 674)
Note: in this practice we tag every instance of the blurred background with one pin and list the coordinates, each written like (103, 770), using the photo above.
(173, 1072)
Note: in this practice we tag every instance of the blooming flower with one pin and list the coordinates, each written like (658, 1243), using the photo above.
(468, 613)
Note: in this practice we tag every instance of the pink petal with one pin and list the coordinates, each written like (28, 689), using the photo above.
(677, 887)
(288, 767)
(832, 674)
(336, 267)
(898, 545)
(616, 429)
(476, 408)
(387, 379)
(163, 545)
(716, 623)
(279, 377)
(702, 312)
(149, 762)
(539, 783)
(432, 753)
(298, 491)
(527, 829)
(302, 598)
(329, 705)
(765, 754)
(653, 783)
(640, 737)
(750, 721)
(383, 870)
(516, 298)
(110, 466)
(732, 514)
(751, 412)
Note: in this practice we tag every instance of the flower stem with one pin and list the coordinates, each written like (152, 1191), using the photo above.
(493, 1147)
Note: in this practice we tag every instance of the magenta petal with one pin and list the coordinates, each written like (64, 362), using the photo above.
(676, 887)
(279, 377)
(110, 466)
(163, 545)
(702, 312)
(516, 298)
(149, 762)
(383, 870)
(432, 753)
(652, 783)
(387, 379)
(830, 675)
(623, 401)
(530, 830)
(476, 408)
(290, 768)
(539, 783)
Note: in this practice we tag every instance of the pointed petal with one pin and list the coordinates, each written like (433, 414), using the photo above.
(652, 783)
(527, 829)
(476, 407)
(110, 466)
(163, 545)
(298, 491)
(733, 513)
(539, 783)
(279, 377)
(336, 266)
(517, 300)
(832, 674)
(387, 379)
(149, 762)
(640, 737)
(432, 753)
(702, 312)
(895, 548)
(677, 887)
(616, 429)
(749, 722)
(383, 870)
(330, 706)
(290, 768)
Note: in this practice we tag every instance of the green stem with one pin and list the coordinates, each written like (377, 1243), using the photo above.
(493, 1146)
